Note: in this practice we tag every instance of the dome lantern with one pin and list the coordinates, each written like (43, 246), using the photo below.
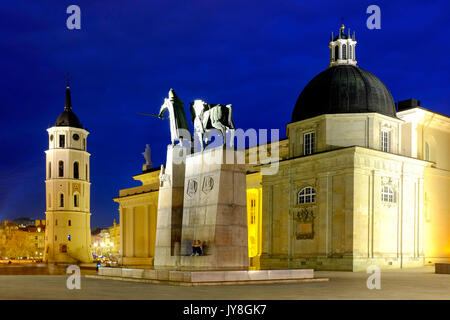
(342, 48)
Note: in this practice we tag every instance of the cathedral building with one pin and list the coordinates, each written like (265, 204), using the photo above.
(67, 186)
(361, 181)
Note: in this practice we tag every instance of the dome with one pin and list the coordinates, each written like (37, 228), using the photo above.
(67, 118)
(343, 89)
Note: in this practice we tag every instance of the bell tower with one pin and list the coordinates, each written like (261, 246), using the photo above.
(342, 48)
(67, 186)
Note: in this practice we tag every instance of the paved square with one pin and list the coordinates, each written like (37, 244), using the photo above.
(420, 283)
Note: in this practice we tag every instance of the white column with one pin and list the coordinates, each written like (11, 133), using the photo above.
(132, 228)
(146, 231)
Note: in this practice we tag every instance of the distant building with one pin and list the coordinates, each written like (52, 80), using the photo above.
(114, 232)
(105, 242)
(24, 221)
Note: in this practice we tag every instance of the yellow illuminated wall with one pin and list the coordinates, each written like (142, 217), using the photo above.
(426, 136)
(254, 204)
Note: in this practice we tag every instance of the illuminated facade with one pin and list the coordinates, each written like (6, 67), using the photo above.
(360, 182)
(67, 185)
(138, 208)
(426, 136)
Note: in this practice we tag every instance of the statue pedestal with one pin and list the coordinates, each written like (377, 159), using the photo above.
(215, 211)
(170, 209)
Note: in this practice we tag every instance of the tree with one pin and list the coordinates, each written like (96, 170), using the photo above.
(19, 245)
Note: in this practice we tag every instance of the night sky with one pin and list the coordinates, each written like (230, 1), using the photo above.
(257, 55)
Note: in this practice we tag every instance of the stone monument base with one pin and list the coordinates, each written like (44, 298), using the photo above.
(442, 268)
(196, 278)
(215, 210)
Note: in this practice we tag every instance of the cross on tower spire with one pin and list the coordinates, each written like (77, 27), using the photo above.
(68, 77)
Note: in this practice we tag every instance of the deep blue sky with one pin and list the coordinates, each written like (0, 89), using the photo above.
(257, 55)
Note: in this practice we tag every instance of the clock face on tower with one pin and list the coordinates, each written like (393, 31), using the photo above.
(76, 137)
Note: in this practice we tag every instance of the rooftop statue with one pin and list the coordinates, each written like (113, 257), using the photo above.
(207, 117)
(148, 158)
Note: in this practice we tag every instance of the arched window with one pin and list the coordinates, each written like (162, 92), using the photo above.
(61, 200)
(336, 53)
(76, 173)
(75, 201)
(61, 169)
(350, 51)
(307, 195)
(49, 170)
(344, 51)
(387, 194)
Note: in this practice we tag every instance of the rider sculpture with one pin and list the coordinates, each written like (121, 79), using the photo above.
(179, 129)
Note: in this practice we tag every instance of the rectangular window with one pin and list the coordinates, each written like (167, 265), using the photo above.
(252, 211)
(386, 141)
(62, 141)
(308, 143)
(70, 223)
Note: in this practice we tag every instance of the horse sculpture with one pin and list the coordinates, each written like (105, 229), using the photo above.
(207, 117)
